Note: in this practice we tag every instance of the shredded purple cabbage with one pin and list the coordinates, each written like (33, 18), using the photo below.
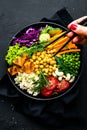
(30, 36)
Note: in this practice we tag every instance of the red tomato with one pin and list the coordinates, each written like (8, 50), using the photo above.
(46, 93)
(63, 85)
(53, 82)
(48, 90)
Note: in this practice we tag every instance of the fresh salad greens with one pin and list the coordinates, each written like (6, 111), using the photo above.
(17, 50)
(34, 49)
(42, 81)
(13, 52)
(48, 29)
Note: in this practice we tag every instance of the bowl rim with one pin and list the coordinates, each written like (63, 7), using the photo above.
(26, 94)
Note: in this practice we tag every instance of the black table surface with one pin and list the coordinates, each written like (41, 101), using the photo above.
(15, 15)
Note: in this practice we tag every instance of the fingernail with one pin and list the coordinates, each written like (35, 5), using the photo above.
(73, 27)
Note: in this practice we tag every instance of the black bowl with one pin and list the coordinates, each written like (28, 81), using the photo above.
(39, 97)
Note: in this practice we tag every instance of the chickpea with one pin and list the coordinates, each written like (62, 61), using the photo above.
(47, 66)
(43, 70)
(49, 73)
(44, 52)
(52, 62)
(35, 69)
(50, 70)
(50, 55)
(39, 59)
(36, 66)
(38, 53)
(37, 62)
(37, 72)
(46, 70)
(44, 64)
(50, 67)
(42, 56)
(55, 65)
(53, 58)
(41, 62)
(34, 57)
(41, 66)
(45, 73)
(54, 68)
(44, 60)
(48, 60)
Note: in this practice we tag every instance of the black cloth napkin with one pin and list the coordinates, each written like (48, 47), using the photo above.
(59, 112)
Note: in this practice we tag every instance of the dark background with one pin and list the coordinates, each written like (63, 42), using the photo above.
(15, 15)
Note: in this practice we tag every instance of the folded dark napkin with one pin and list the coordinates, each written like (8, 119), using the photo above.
(55, 113)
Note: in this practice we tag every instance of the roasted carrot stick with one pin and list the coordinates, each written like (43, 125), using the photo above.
(67, 51)
(58, 43)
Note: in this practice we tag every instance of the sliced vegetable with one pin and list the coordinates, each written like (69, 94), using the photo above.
(62, 85)
(20, 60)
(49, 89)
(55, 36)
(26, 39)
(13, 70)
(67, 51)
(60, 42)
(46, 93)
(54, 31)
(53, 82)
(44, 37)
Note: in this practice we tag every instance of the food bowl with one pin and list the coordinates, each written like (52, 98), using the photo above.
(39, 38)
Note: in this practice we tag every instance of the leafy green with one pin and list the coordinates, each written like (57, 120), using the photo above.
(17, 50)
(47, 29)
(33, 49)
(13, 52)
(41, 82)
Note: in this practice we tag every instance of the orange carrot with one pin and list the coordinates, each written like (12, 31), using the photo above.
(67, 51)
(70, 46)
(58, 43)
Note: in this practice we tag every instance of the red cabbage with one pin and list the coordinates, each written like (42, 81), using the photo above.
(30, 36)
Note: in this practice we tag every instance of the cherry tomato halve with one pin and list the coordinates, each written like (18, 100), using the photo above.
(53, 82)
(46, 93)
(48, 90)
(63, 85)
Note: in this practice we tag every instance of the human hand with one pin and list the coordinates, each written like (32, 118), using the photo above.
(80, 30)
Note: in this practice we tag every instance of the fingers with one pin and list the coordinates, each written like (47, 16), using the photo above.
(79, 29)
(77, 21)
(76, 39)
(70, 34)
